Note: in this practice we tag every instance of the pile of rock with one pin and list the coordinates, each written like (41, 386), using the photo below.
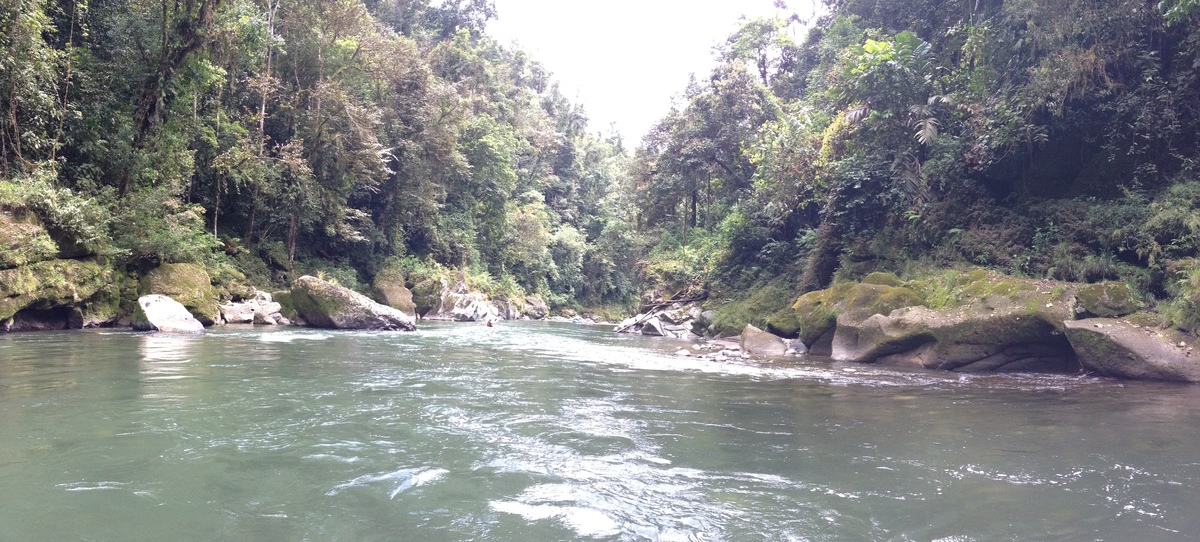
(259, 310)
(752, 342)
(674, 321)
(454, 301)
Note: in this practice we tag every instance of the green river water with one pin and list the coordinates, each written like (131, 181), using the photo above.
(539, 432)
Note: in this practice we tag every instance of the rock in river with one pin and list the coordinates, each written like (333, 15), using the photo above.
(161, 313)
(1120, 349)
(328, 305)
(759, 342)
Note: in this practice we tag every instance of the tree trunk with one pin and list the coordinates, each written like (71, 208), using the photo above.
(291, 247)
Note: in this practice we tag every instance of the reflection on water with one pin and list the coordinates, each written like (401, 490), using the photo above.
(555, 432)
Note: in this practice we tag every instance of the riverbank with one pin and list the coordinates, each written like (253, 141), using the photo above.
(967, 321)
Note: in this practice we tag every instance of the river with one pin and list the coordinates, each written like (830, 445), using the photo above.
(535, 431)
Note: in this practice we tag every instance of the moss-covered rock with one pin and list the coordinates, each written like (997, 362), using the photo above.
(784, 323)
(287, 306)
(187, 283)
(980, 321)
(50, 284)
(23, 240)
(325, 304)
(1105, 300)
(817, 312)
(230, 283)
(114, 300)
(1121, 349)
(883, 279)
(427, 294)
(391, 291)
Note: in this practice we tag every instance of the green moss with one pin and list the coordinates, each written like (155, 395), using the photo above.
(865, 300)
(1146, 319)
(755, 308)
(784, 323)
(286, 304)
(318, 301)
(109, 303)
(23, 240)
(48, 284)
(817, 311)
(1107, 299)
(883, 279)
(189, 284)
(427, 295)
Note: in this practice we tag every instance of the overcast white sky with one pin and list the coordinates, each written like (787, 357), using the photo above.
(624, 60)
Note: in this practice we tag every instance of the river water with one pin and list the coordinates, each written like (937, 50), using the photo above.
(533, 431)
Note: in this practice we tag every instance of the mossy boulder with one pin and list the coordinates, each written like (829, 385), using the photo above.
(287, 307)
(111, 302)
(391, 291)
(1122, 349)
(325, 304)
(1105, 300)
(50, 284)
(817, 312)
(187, 283)
(784, 323)
(883, 279)
(23, 240)
(427, 294)
(981, 321)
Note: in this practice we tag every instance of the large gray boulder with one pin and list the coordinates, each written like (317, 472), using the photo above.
(758, 342)
(536, 308)
(1120, 349)
(238, 313)
(161, 313)
(324, 304)
(988, 336)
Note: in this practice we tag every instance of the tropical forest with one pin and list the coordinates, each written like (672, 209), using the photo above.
(362, 270)
(395, 141)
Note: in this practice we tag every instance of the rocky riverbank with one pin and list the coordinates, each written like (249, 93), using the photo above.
(959, 321)
(980, 321)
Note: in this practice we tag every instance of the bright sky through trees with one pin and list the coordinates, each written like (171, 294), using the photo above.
(624, 60)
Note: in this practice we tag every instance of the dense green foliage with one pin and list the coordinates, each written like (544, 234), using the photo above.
(1042, 138)
(305, 136)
